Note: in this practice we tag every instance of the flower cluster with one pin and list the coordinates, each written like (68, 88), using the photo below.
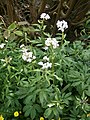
(44, 16)
(45, 64)
(62, 25)
(27, 56)
(51, 41)
(2, 45)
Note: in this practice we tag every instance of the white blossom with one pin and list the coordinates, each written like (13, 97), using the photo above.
(51, 41)
(45, 48)
(21, 46)
(51, 104)
(49, 65)
(27, 56)
(45, 63)
(29, 60)
(44, 16)
(34, 57)
(46, 58)
(54, 43)
(62, 25)
(2, 45)
(48, 42)
(40, 63)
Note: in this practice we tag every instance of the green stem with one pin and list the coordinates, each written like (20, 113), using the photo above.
(62, 38)
(52, 53)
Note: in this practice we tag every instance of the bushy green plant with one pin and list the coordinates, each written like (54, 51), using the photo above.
(47, 77)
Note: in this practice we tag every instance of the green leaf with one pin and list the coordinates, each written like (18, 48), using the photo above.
(9, 68)
(58, 78)
(47, 113)
(27, 113)
(42, 97)
(88, 91)
(25, 70)
(18, 33)
(6, 34)
(38, 108)
(55, 111)
(33, 112)
(76, 83)
(12, 26)
(28, 99)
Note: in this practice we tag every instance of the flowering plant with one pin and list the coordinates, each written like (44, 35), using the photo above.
(43, 79)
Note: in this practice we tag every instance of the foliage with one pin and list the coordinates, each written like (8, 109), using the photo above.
(29, 91)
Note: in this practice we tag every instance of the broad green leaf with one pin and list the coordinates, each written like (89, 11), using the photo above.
(47, 112)
(38, 108)
(55, 111)
(12, 26)
(18, 33)
(27, 113)
(42, 97)
(33, 112)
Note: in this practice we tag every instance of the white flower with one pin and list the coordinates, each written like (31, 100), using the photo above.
(40, 63)
(2, 45)
(49, 65)
(34, 57)
(62, 25)
(44, 16)
(45, 65)
(29, 60)
(21, 46)
(48, 42)
(24, 57)
(10, 58)
(45, 48)
(51, 104)
(45, 58)
(28, 56)
(52, 41)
